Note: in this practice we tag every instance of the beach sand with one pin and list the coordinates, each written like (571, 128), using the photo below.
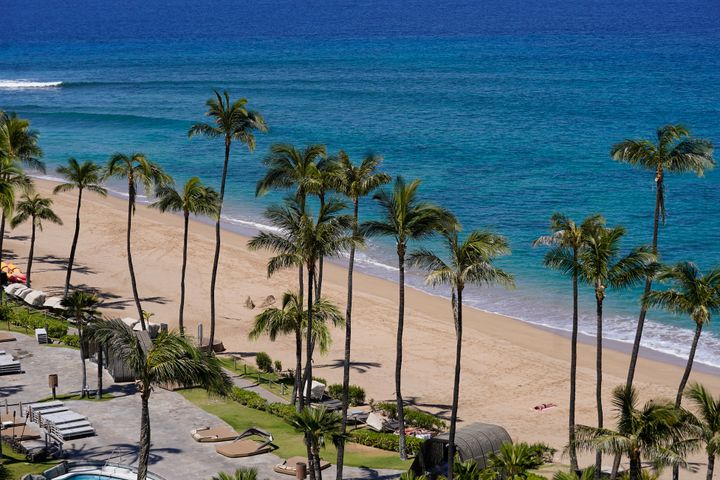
(508, 366)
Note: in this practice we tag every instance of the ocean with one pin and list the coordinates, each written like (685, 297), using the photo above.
(506, 109)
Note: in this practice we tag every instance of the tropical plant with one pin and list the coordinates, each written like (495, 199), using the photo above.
(674, 151)
(12, 178)
(242, 473)
(171, 359)
(707, 417)
(83, 307)
(36, 209)
(287, 167)
(587, 474)
(601, 266)
(658, 432)
(318, 425)
(565, 241)
(194, 198)
(137, 170)
(469, 262)
(404, 218)
(513, 461)
(87, 175)
(230, 121)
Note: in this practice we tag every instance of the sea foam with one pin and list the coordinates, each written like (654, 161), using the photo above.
(26, 84)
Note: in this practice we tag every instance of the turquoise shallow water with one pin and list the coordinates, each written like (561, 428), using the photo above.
(506, 112)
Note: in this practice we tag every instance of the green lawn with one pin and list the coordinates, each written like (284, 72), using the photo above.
(289, 442)
(17, 466)
(282, 387)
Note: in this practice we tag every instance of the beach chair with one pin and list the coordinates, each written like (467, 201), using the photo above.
(381, 424)
(245, 446)
(13, 288)
(22, 293)
(54, 303)
(36, 298)
(6, 337)
(222, 433)
(288, 467)
(8, 365)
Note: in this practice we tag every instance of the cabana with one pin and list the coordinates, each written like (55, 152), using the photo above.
(475, 442)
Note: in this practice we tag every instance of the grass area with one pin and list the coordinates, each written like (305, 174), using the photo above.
(17, 465)
(289, 442)
(277, 384)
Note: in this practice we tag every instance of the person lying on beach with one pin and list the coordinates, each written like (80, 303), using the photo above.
(544, 406)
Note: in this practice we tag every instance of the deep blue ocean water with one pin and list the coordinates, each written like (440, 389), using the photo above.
(506, 109)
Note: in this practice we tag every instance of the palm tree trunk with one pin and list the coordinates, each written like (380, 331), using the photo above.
(30, 255)
(2, 233)
(635, 468)
(598, 385)
(456, 383)
(399, 352)
(301, 296)
(348, 339)
(98, 394)
(308, 340)
(84, 387)
(133, 282)
(71, 260)
(186, 225)
(216, 258)
(710, 467)
(297, 389)
(318, 285)
(572, 452)
(316, 465)
(144, 456)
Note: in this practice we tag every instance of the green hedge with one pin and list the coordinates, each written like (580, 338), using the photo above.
(253, 400)
(356, 393)
(413, 417)
(25, 319)
(386, 441)
(71, 340)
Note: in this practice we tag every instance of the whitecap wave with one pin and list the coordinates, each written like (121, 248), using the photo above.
(26, 84)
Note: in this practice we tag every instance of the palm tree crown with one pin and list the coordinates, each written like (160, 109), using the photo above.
(18, 142)
(230, 120)
(12, 178)
(289, 167)
(708, 420)
(138, 170)
(195, 198)
(36, 208)
(87, 175)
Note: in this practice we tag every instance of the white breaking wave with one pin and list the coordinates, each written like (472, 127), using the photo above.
(26, 84)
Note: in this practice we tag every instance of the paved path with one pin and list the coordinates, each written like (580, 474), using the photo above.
(247, 383)
(174, 454)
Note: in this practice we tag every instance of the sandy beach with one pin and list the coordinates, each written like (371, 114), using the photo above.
(508, 367)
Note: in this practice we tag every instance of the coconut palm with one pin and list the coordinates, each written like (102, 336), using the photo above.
(404, 218)
(674, 151)
(587, 474)
(355, 182)
(657, 432)
(242, 473)
(601, 266)
(87, 175)
(137, 170)
(194, 198)
(12, 178)
(82, 306)
(36, 209)
(230, 121)
(693, 294)
(708, 419)
(469, 262)
(171, 359)
(318, 425)
(514, 461)
(289, 319)
(566, 240)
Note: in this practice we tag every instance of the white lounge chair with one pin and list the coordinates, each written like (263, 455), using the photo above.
(36, 298)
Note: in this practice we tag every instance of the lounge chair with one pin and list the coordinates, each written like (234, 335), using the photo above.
(244, 446)
(23, 292)
(288, 467)
(54, 303)
(36, 298)
(6, 337)
(13, 288)
(381, 424)
(221, 433)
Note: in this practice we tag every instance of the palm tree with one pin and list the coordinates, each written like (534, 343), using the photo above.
(405, 218)
(708, 418)
(318, 425)
(82, 305)
(587, 474)
(657, 432)
(513, 462)
(290, 319)
(566, 240)
(231, 121)
(34, 208)
(137, 170)
(601, 266)
(470, 262)
(12, 178)
(355, 182)
(87, 175)
(18, 145)
(242, 473)
(692, 294)
(673, 152)
(170, 359)
(197, 199)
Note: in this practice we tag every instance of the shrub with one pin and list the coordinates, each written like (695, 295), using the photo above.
(264, 362)
(249, 399)
(278, 366)
(356, 394)
(283, 410)
(23, 318)
(320, 379)
(6, 312)
(385, 441)
(71, 340)
(412, 417)
(543, 451)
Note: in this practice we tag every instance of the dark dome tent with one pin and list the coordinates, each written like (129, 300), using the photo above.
(472, 442)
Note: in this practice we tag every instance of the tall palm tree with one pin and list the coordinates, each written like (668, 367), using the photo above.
(230, 121)
(82, 305)
(328, 169)
(692, 294)
(18, 145)
(87, 175)
(137, 170)
(36, 209)
(405, 218)
(12, 178)
(657, 432)
(355, 182)
(674, 151)
(469, 262)
(170, 359)
(289, 319)
(602, 267)
(318, 425)
(194, 198)
(708, 418)
(566, 240)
